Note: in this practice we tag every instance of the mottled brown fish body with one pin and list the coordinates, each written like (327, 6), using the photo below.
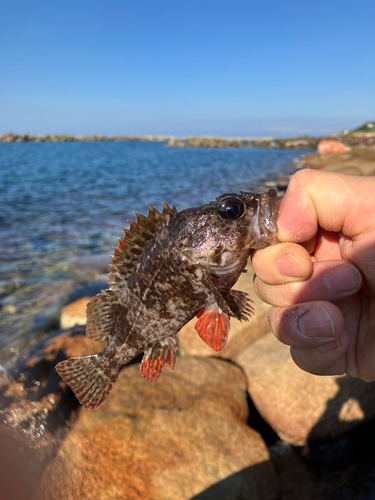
(169, 268)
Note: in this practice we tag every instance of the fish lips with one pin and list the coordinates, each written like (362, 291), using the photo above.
(264, 226)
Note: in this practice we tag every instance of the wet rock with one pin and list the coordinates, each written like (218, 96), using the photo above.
(74, 313)
(174, 439)
(33, 398)
(325, 147)
(241, 335)
(36, 410)
(300, 406)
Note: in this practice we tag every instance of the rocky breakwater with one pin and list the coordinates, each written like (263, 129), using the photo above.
(11, 137)
(205, 142)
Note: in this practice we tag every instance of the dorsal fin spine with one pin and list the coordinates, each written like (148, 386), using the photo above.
(156, 216)
(167, 211)
(152, 210)
(140, 228)
(136, 239)
(142, 219)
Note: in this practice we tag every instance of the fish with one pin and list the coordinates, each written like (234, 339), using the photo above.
(170, 267)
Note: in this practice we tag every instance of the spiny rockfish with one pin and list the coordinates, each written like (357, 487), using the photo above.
(169, 268)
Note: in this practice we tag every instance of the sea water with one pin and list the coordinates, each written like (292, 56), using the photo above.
(61, 203)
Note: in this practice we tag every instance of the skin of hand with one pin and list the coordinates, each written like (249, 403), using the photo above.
(321, 278)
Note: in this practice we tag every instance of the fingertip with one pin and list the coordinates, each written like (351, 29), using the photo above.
(282, 263)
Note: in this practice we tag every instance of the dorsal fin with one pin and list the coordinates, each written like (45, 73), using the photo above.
(137, 237)
(101, 308)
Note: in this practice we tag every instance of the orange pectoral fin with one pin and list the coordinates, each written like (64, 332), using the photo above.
(213, 327)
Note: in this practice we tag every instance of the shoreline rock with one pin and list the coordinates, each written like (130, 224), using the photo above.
(295, 143)
(357, 161)
(170, 440)
(299, 406)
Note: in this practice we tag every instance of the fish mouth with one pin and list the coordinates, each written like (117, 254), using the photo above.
(266, 228)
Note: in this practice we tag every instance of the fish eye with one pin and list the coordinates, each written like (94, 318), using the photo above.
(231, 208)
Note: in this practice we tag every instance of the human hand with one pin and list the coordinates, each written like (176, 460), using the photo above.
(321, 280)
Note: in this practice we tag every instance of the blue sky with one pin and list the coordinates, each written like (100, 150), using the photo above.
(238, 68)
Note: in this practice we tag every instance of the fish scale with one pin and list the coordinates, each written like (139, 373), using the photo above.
(168, 268)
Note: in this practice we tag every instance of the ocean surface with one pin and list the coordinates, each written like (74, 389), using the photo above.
(63, 205)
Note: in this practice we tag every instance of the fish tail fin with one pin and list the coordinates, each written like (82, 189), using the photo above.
(89, 382)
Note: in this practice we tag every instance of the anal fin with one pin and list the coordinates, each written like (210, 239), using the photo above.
(155, 358)
(213, 327)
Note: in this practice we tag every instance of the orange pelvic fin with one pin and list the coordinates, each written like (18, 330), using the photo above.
(213, 327)
(155, 358)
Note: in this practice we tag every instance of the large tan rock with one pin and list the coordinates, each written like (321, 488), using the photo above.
(74, 313)
(241, 335)
(170, 440)
(300, 406)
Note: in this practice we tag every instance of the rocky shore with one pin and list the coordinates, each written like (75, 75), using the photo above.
(296, 143)
(244, 423)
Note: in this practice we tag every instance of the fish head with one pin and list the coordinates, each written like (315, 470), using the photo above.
(247, 220)
(227, 229)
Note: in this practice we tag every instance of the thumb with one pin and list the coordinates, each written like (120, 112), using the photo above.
(336, 202)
